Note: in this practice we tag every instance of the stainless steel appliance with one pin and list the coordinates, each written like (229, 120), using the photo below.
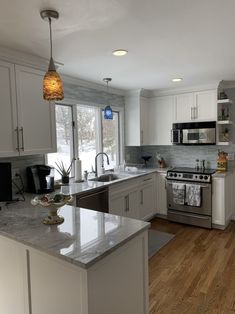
(40, 179)
(194, 133)
(5, 182)
(199, 181)
(97, 200)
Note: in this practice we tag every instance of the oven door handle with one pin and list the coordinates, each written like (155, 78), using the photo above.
(202, 186)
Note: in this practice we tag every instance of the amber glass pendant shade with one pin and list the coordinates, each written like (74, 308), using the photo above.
(52, 86)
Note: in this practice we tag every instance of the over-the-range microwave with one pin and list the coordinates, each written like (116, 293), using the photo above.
(194, 133)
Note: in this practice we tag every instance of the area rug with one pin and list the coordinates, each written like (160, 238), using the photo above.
(157, 239)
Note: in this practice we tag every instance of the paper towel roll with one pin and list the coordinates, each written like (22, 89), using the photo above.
(78, 170)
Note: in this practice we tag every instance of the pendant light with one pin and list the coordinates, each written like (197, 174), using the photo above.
(52, 83)
(108, 112)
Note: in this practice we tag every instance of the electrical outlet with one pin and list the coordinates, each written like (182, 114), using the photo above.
(231, 156)
(14, 172)
(128, 157)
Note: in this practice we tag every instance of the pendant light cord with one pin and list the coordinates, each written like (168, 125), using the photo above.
(49, 19)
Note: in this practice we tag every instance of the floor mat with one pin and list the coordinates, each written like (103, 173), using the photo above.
(157, 239)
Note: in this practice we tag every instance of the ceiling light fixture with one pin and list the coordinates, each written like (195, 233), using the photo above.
(108, 112)
(120, 52)
(52, 83)
(177, 79)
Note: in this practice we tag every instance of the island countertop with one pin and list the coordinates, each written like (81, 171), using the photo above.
(85, 237)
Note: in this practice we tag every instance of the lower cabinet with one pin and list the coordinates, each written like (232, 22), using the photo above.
(161, 194)
(13, 279)
(134, 198)
(223, 200)
(33, 282)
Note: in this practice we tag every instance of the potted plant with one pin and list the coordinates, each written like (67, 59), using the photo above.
(63, 171)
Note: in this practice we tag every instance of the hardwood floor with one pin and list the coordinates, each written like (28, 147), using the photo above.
(194, 272)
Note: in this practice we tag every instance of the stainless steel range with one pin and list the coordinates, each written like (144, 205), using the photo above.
(189, 196)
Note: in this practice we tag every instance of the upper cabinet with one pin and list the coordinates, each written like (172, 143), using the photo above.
(197, 106)
(136, 120)
(160, 120)
(8, 111)
(27, 122)
(36, 117)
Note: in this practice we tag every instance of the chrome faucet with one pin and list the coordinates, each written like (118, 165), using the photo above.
(96, 170)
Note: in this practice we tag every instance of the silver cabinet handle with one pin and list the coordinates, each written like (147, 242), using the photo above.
(147, 179)
(141, 197)
(127, 203)
(22, 137)
(142, 137)
(17, 139)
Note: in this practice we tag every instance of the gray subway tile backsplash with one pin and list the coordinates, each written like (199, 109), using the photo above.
(178, 155)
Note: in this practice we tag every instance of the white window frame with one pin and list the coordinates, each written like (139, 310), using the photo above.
(99, 140)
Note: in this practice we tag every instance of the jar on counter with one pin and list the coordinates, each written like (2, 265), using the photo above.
(222, 161)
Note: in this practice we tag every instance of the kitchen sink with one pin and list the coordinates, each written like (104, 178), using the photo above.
(106, 178)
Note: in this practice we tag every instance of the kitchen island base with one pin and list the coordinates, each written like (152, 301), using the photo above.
(34, 282)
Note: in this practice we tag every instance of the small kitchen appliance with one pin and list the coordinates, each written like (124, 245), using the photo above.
(40, 179)
(189, 196)
(194, 133)
(5, 182)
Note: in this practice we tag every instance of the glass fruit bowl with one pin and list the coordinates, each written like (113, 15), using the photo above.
(53, 203)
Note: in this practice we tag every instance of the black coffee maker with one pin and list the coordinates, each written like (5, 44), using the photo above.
(40, 179)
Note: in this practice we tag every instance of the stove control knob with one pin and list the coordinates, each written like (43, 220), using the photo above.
(205, 177)
(200, 177)
(170, 174)
(175, 175)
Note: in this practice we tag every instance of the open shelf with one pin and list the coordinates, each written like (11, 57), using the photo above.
(224, 101)
(224, 122)
(224, 143)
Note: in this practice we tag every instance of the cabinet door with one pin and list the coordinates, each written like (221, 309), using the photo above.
(13, 278)
(144, 121)
(161, 194)
(132, 204)
(184, 107)
(160, 120)
(117, 205)
(218, 201)
(206, 105)
(8, 112)
(147, 201)
(36, 116)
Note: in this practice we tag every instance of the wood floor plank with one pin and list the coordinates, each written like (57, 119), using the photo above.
(194, 272)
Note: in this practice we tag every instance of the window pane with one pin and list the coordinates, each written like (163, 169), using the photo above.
(86, 121)
(110, 130)
(64, 138)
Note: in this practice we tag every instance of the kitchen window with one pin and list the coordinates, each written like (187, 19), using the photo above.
(83, 132)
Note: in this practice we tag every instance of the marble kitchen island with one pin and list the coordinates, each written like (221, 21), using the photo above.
(93, 263)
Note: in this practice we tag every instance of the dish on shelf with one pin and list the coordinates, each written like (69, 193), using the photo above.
(53, 203)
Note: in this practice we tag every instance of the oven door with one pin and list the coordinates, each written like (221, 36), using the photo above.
(204, 209)
(199, 136)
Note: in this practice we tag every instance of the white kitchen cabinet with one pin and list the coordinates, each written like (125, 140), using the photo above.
(134, 198)
(223, 205)
(160, 120)
(147, 194)
(184, 107)
(196, 106)
(13, 276)
(27, 122)
(45, 284)
(36, 116)
(8, 111)
(161, 194)
(124, 200)
(136, 120)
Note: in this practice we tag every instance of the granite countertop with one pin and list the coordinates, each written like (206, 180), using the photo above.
(74, 188)
(85, 237)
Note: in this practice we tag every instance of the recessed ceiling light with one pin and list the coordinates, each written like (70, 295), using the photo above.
(177, 79)
(120, 52)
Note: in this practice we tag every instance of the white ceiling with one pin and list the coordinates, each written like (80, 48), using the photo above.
(193, 39)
